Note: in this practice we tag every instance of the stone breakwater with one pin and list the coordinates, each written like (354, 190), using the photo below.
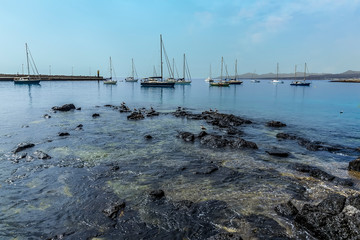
(166, 208)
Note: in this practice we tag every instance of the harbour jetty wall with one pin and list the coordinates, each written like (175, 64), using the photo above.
(10, 77)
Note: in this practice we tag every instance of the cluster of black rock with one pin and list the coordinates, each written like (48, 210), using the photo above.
(336, 217)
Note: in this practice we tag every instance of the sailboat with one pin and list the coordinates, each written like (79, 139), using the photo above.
(157, 81)
(233, 80)
(110, 81)
(132, 78)
(277, 76)
(209, 79)
(34, 79)
(300, 83)
(185, 70)
(220, 83)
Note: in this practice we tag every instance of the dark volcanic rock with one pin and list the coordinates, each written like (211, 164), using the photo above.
(41, 155)
(202, 134)
(214, 141)
(275, 124)
(226, 236)
(95, 115)
(23, 146)
(61, 134)
(124, 108)
(354, 165)
(265, 228)
(322, 175)
(157, 194)
(113, 209)
(313, 171)
(79, 109)
(278, 153)
(79, 127)
(207, 169)
(152, 113)
(285, 136)
(148, 137)
(64, 108)
(135, 116)
(241, 143)
(47, 116)
(333, 218)
(186, 136)
(310, 145)
(286, 209)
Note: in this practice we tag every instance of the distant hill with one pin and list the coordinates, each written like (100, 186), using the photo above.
(299, 75)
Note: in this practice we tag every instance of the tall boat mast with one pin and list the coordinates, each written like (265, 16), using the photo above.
(132, 67)
(295, 73)
(210, 70)
(277, 71)
(27, 58)
(161, 62)
(222, 61)
(184, 68)
(235, 69)
(305, 73)
(110, 69)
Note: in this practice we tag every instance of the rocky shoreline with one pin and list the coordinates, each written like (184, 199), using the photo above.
(159, 216)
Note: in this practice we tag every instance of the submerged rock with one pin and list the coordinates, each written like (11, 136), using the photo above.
(157, 194)
(46, 116)
(79, 127)
(186, 136)
(214, 141)
(286, 209)
(275, 124)
(207, 169)
(95, 115)
(320, 174)
(278, 153)
(354, 165)
(242, 143)
(113, 209)
(41, 155)
(64, 108)
(23, 146)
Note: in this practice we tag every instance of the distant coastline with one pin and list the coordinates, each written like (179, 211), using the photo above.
(347, 80)
(10, 77)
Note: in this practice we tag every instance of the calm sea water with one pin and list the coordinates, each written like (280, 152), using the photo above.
(43, 198)
(314, 110)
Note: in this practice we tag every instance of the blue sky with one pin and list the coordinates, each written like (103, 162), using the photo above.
(80, 35)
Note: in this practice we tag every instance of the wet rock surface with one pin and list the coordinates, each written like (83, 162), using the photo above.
(64, 108)
(278, 153)
(135, 116)
(335, 217)
(310, 145)
(354, 165)
(186, 136)
(95, 115)
(62, 134)
(23, 146)
(41, 155)
(275, 124)
(320, 174)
